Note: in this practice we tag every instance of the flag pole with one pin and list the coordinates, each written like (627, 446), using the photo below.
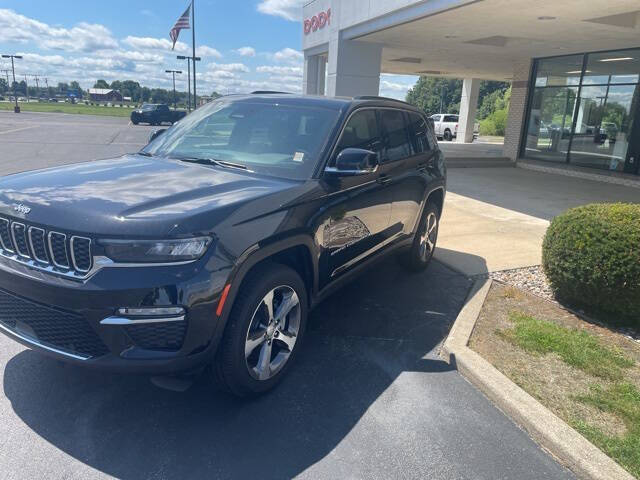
(193, 43)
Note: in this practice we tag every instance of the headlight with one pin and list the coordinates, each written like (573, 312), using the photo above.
(155, 251)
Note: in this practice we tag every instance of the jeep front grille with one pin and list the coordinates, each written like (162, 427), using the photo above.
(45, 249)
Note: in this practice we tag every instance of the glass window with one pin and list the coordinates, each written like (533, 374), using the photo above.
(559, 71)
(603, 126)
(419, 129)
(451, 118)
(622, 66)
(274, 139)
(397, 137)
(361, 131)
(550, 121)
(436, 118)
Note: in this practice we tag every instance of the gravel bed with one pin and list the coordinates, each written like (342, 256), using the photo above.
(533, 280)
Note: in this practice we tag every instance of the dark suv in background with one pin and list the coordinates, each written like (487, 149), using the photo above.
(209, 246)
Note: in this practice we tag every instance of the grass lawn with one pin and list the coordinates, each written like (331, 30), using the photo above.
(586, 374)
(61, 107)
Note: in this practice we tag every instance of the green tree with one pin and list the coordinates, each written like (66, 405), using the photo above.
(101, 84)
(429, 93)
(63, 87)
(160, 95)
(4, 86)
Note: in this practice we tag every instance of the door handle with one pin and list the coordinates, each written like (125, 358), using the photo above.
(383, 178)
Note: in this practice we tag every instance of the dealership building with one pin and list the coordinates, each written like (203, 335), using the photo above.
(574, 67)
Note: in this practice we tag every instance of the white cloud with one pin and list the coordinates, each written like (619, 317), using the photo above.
(396, 86)
(156, 44)
(229, 67)
(246, 51)
(287, 9)
(83, 37)
(205, 51)
(278, 70)
(288, 55)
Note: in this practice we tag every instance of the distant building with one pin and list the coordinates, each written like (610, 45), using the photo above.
(104, 95)
(127, 99)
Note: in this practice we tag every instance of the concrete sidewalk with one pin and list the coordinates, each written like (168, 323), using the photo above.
(495, 218)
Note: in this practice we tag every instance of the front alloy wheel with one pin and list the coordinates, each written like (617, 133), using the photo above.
(264, 331)
(272, 333)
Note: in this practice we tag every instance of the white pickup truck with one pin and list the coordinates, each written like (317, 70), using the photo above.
(445, 126)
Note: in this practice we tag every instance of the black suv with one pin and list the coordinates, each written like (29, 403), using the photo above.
(209, 246)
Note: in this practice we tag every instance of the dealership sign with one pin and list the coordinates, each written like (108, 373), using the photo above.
(318, 21)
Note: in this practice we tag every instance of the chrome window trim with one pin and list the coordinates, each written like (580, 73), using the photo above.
(66, 253)
(33, 341)
(33, 250)
(15, 243)
(4, 247)
(73, 255)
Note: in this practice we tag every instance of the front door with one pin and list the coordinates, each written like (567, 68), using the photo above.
(355, 222)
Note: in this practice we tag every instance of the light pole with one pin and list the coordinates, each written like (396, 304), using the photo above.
(173, 72)
(188, 59)
(16, 109)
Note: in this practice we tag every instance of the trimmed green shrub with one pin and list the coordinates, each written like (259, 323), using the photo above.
(591, 255)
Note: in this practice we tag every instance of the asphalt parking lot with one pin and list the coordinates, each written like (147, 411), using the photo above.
(370, 397)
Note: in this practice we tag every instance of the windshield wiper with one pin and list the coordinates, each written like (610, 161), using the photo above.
(212, 161)
(145, 154)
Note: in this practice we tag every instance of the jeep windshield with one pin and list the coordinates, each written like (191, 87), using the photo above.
(269, 138)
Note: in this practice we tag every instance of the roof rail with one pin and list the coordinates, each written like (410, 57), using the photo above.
(377, 97)
(269, 92)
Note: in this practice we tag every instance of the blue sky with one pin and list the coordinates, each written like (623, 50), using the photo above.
(245, 44)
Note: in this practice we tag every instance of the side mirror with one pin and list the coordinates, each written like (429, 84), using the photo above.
(354, 161)
(156, 133)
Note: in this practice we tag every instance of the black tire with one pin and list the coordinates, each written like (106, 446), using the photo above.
(447, 135)
(135, 122)
(416, 259)
(231, 370)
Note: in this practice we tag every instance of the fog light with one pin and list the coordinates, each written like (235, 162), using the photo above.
(151, 311)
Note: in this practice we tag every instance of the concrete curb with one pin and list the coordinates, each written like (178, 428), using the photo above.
(553, 434)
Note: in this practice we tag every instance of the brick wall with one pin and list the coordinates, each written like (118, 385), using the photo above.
(516, 119)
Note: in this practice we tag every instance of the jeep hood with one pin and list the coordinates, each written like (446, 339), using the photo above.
(135, 195)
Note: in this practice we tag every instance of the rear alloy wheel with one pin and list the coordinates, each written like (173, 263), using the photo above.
(424, 242)
(447, 135)
(264, 331)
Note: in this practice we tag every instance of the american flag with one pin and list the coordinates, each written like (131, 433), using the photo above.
(183, 22)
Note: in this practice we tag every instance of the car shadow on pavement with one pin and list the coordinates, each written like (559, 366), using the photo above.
(386, 324)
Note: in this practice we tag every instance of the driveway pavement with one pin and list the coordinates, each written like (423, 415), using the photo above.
(495, 218)
(369, 399)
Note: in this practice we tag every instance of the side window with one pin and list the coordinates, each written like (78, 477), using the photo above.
(419, 130)
(398, 144)
(451, 119)
(361, 131)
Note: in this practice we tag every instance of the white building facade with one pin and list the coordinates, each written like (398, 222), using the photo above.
(574, 66)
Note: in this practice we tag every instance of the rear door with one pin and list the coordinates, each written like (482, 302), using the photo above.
(405, 162)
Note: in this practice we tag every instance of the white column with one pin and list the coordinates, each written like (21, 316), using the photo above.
(310, 76)
(468, 107)
(353, 68)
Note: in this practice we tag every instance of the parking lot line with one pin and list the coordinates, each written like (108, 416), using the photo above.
(17, 129)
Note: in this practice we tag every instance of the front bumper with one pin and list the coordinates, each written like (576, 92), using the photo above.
(62, 317)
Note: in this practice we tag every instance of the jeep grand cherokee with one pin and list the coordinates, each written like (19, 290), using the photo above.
(209, 247)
